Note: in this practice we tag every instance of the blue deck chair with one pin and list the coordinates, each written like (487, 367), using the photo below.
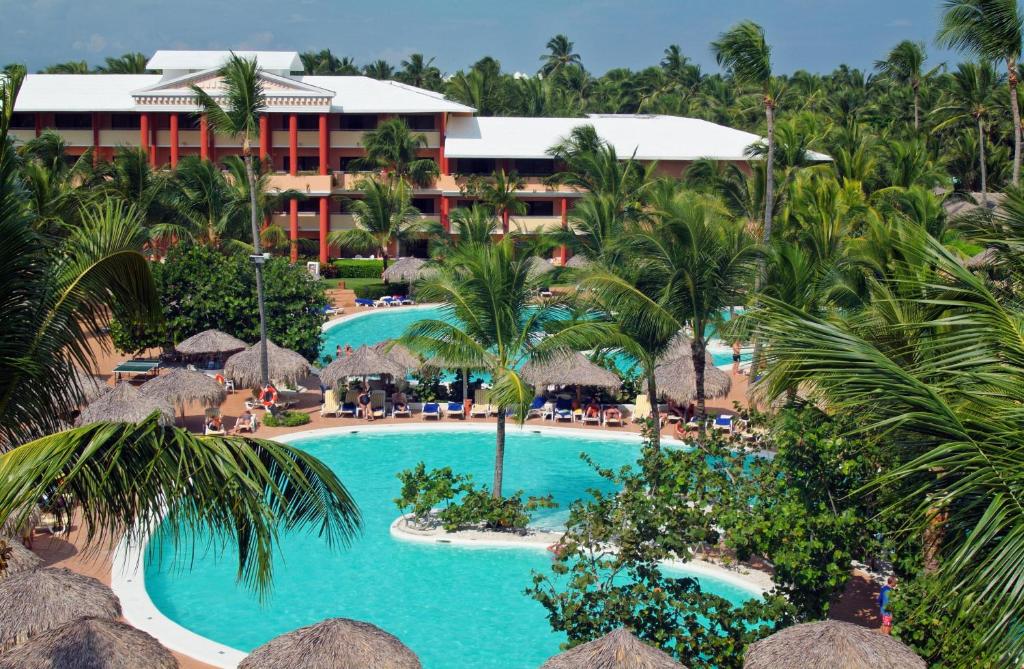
(455, 409)
(364, 302)
(431, 410)
(563, 409)
(537, 408)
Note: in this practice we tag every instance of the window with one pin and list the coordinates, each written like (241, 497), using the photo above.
(309, 206)
(358, 121)
(540, 208)
(426, 205)
(188, 121)
(540, 167)
(23, 120)
(309, 121)
(420, 121)
(72, 121)
(309, 164)
(124, 121)
(474, 166)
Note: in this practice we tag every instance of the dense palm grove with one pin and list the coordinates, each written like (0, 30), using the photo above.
(899, 363)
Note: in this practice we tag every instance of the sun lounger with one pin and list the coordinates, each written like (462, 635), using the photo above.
(377, 399)
(481, 404)
(537, 408)
(642, 409)
(407, 412)
(210, 414)
(330, 405)
(563, 410)
(407, 301)
(431, 410)
(455, 409)
(612, 420)
(591, 420)
(723, 422)
(365, 302)
(348, 410)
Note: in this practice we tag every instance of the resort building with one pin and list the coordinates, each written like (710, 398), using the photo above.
(314, 126)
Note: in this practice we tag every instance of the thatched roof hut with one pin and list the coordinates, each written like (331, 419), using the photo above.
(398, 354)
(336, 643)
(676, 378)
(90, 643)
(210, 341)
(364, 361)
(408, 270)
(126, 404)
(18, 558)
(618, 649)
(570, 369)
(180, 387)
(828, 644)
(285, 366)
(539, 267)
(37, 601)
(578, 262)
(987, 258)
(92, 386)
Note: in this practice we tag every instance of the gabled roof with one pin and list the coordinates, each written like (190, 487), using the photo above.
(81, 92)
(648, 137)
(282, 93)
(280, 61)
(363, 95)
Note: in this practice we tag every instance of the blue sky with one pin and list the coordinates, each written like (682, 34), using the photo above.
(815, 35)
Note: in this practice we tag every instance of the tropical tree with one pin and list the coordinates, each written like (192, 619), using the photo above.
(560, 56)
(469, 225)
(324, 62)
(420, 71)
(990, 30)
(969, 97)
(129, 63)
(379, 69)
(498, 193)
(240, 118)
(595, 226)
(384, 215)
(903, 66)
(70, 67)
(131, 178)
(392, 146)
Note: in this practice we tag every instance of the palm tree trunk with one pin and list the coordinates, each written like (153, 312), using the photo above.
(1015, 108)
(504, 221)
(917, 107)
(652, 396)
(465, 386)
(697, 351)
(253, 219)
(769, 208)
(981, 164)
(499, 455)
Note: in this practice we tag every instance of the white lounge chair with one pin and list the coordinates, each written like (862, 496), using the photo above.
(246, 425)
(612, 420)
(210, 414)
(377, 399)
(330, 405)
(481, 404)
(455, 410)
(592, 420)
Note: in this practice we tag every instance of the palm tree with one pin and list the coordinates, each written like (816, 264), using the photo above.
(560, 56)
(203, 199)
(129, 63)
(240, 118)
(70, 67)
(903, 66)
(595, 226)
(392, 146)
(420, 72)
(321, 62)
(492, 323)
(379, 69)
(130, 178)
(989, 30)
(469, 225)
(383, 216)
(969, 96)
(499, 194)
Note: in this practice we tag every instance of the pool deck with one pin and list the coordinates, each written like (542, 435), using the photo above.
(855, 605)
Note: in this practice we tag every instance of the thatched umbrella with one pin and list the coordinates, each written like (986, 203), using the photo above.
(90, 643)
(92, 386)
(570, 369)
(126, 404)
(578, 262)
(398, 354)
(286, 366)
(983, 260)
(618, 649)
(18, 558)
(407, 270)
(210, 341)
(364, 362)
(828, 644)
(677, 379)
(37, 601)
(336, 643)
(539, 266)
(180, 386)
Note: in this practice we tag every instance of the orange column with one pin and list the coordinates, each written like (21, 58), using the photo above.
(293, 227)
(95, 138)
(144, 131)
(264, 137)
(445, 223)
(324, 144)
(442, 162)
(562, 251)
(504, 221)
(204, 138)
(293, 144)
(174, 140)
(325, 224)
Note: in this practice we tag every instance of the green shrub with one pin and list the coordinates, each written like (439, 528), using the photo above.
(423, 490)
(286, 419)
(374, 291)
(358, 268)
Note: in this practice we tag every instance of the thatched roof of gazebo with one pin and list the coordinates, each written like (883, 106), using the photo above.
(570, 369)
(210, 341)
(578, 262)
(398, 354)
(286, 366)
(407, 270)
(983, 260)
(618, 649)
(92, 386)
(675, 376)
(828, 644)
(539, 266)
(20, 558)
(364, 361)
(90, 643)
(126, 404)
(336, 643)
(181, 386)
(37, 601)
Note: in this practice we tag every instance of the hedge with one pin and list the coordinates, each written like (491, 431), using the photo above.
(374, 291)
(358, 268)
(286, 419)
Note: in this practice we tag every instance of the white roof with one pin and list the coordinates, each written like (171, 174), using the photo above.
(280, 61)
(649, 137)
(363, 95)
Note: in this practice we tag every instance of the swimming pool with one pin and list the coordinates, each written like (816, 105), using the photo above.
(375, 326)
(454, 606)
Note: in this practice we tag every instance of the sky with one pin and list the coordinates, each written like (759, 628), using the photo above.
(815, 35)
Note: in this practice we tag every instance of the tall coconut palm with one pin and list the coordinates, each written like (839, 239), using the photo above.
(383, 216)
(595, 225)
(904, 66)
(498, 192)
(321, 62)
(969, 97)
(207, 213)
(392, 146)
(560, 55)
(70, 67)
(239, 117)
(129, 63)
(469, 225)
(419, 71)
(131, 178)
(990, 30)
(493, 323)
(379, 69)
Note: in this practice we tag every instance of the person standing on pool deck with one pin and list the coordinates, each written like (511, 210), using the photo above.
(736, 357)
(883, 604)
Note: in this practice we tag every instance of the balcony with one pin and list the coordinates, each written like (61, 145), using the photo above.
(308, 222)
(314, 184)
(187, 139)
(534, 224)
(78, 137)
(119, 137)
(308, 139)
(21, 135)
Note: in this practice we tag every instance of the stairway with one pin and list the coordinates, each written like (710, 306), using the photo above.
(341, 297)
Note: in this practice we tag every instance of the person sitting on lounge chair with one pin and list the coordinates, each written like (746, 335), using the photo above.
(613, 414)
(364, 404)
(214, 425)
(244, 422)
(593, 410)
(398, 401)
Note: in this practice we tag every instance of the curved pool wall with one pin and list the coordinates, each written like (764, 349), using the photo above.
(457, 594)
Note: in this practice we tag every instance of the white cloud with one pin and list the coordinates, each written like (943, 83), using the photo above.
(94, 44)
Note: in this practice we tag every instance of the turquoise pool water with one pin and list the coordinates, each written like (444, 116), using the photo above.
(455, 607)
(384, 324)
